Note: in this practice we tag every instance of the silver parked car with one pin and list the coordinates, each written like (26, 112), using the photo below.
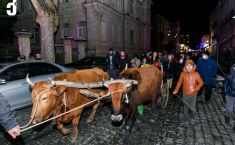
(13, 85)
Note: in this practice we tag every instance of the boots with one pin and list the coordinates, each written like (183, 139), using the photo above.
(227, 119)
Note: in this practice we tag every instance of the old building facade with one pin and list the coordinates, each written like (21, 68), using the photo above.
(222, 28)
(94, 26)
(165, 34)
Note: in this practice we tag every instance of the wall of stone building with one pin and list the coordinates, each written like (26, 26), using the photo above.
(226, 26)
(104, 25)
(139, 32)
(71, 12)
(109, 31)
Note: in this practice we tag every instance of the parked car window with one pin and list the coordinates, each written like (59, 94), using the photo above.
(1, 66)
(37, 69)
(87, 60)
(100, 60)
(15, 72)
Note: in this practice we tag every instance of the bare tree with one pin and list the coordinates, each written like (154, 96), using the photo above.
(48, 20)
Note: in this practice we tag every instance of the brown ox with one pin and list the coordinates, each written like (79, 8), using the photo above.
(48, 100)
(148, 89)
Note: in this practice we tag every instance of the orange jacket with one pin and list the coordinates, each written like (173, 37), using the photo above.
(191, 81)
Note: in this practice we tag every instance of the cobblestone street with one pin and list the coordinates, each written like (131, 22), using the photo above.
(155, 127)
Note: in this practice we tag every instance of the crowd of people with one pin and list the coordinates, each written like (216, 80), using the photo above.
(31, 57)
(194, 72)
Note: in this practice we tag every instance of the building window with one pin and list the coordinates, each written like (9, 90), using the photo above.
(63, 1)
(21, 6)
(103, 31)
(132, 37)
(119, 5)
(115, 32)
(30, 6)
(65, 30)
(81, 30)
(35, 36)
(120, 34)
(131, 6)
(111, 33)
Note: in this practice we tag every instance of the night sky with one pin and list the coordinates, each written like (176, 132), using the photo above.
(193, 14)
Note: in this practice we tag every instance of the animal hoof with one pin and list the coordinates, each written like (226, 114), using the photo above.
(68, 131)
(73, 140)
(88, 120)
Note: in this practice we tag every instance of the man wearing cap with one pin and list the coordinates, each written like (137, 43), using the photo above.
(207, 68)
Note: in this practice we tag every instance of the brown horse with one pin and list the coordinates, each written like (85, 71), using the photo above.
(148, 89)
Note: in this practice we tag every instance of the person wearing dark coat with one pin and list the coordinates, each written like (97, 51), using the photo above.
(112, 62)
(7, 118)
(124, 61)
(170, 69)
(207, 69)
(229, 90)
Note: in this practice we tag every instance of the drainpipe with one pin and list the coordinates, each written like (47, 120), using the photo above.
(124, 17)
(218, 32)
(86, 18)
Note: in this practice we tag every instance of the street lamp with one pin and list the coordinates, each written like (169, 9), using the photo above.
(233, 16)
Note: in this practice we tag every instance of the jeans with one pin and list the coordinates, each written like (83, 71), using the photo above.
(189, 114)
(169, 83)
(112, 73)
(229, 105)
(208, 90)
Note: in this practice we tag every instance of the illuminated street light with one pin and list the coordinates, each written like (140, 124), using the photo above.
(233, 17)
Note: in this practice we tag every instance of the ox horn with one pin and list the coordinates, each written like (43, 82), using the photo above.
(29, 81)
(126, 67)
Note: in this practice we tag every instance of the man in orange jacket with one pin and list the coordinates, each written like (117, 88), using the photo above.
(192, 82)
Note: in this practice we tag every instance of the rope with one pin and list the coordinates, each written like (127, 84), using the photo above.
(25, 129)
(162, 75)
(30, 121)
(186, 104)
(65, 102)
(221, 69)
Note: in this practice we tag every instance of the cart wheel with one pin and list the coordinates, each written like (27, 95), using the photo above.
(164, 95)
